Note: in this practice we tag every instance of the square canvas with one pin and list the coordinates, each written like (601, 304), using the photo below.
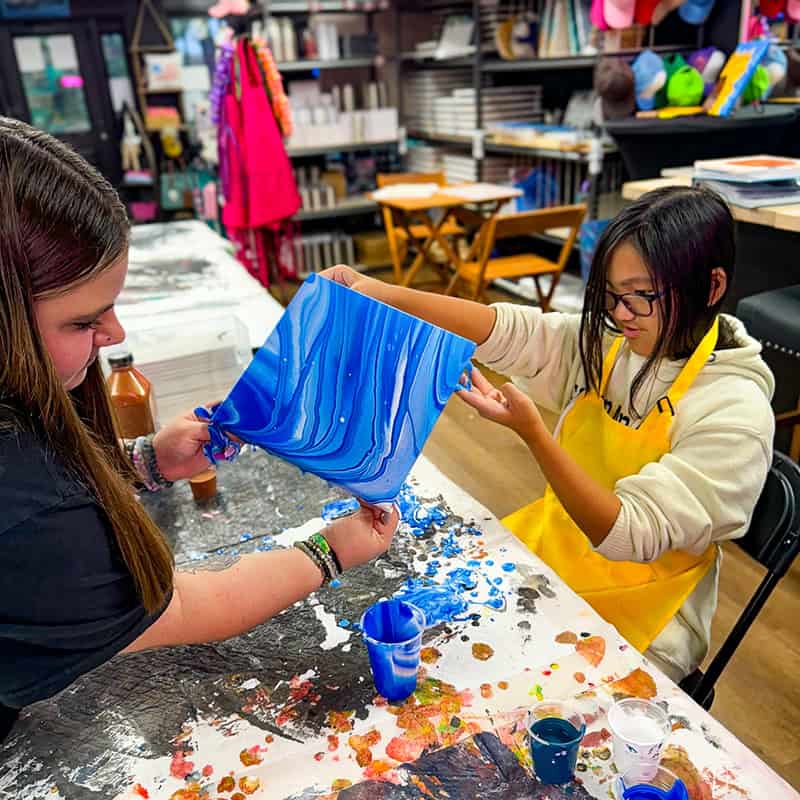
(347, 388)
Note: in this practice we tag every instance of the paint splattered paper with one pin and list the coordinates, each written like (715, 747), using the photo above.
(346, 388)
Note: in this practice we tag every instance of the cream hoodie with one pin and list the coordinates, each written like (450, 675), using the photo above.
(702, 491)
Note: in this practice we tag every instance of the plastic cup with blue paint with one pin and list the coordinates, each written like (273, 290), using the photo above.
(650, 782)
(555, 729)
(392, 631)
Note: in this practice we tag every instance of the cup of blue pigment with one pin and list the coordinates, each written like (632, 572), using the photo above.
(650, 782)
(392, 630)
(555, 729)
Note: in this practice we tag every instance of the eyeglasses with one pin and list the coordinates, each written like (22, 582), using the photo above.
(638, 303)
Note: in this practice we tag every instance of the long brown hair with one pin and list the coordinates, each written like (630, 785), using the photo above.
(61, 224)
(681, 235)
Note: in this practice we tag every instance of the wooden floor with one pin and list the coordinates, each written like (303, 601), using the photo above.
(758, 696)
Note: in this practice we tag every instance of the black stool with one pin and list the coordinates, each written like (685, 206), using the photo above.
(774, 319)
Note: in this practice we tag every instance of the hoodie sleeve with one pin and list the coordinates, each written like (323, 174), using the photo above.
(705, 489)
(539, 348)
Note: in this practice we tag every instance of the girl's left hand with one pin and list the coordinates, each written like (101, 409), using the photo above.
(507, 405)
(179, 447)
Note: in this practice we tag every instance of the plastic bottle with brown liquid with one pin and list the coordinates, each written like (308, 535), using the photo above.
(132, 396)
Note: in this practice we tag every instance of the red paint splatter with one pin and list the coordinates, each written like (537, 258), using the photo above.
(180, 767)
(333, 743)
(546, 673)
(140, 790)
(208, 771)
(319, 756)
(596, 738)
(405, 750)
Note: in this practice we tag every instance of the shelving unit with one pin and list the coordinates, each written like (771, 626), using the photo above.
(305, 152)
(307, 65)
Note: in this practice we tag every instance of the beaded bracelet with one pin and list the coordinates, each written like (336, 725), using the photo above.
(152, 464)
(143, 456)
(318, 549)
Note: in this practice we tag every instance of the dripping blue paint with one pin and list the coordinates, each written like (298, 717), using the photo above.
(346, 388)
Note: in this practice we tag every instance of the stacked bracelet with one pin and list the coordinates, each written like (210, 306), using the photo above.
(143, 456)
(318, 549)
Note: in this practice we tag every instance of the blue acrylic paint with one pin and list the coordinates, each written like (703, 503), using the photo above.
(333, 351)
(393, 630)
(339, 508)
(473, 563)
(508, 566)
(554, 747)
(344, 623)
(439, 602)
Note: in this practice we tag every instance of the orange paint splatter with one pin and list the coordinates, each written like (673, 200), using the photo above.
(180, 767)
(592, 649)
(481, 651)
(502, 685)
(208, 771)
(567, 637)
(377, 770)
(429, 655)
(249, 785)
(676, 759)
(638, 684)
(238, 796)
(486, 690)
(250, 757)
(186, 794)
(333, 743)
(340, 721)
(362, 746)
(227, 784)
(140, 790)
(579, 677)
(269, 738)
(405, 750)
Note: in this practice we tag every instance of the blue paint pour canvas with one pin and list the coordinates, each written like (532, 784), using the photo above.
(347, 388)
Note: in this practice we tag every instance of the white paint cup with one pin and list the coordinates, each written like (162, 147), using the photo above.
(639, 729)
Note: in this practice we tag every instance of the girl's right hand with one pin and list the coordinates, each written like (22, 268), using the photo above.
(362, 536)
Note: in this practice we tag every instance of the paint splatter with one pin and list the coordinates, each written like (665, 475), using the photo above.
(362, 746)
(404, 749)
(227, 784)
(339, 508)
(340, 721)
(638, 684)
(250, 757)
(596, 738)
(502, 685)
(377, 770)
(486, 690)
(141, 791)
(333, 743)
(180, 767)
(509, 566)
(249, 785)
(208, 771)
(190, 793)
(592, 648)
(440, 603)
(537, 692)
(579, 677)
(341, 783)
(481, 651)
(567, 637)
(429, 655)
(676, 759)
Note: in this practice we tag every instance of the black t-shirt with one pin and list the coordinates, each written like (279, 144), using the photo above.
(67, 600)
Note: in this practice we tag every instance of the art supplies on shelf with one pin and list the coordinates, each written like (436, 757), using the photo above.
(736, 75)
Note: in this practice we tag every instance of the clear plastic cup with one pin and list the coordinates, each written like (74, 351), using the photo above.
(555, 729)
(650, 782)
(639, 729)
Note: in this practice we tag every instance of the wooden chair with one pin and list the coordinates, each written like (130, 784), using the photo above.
(397, 236)
(480, 269)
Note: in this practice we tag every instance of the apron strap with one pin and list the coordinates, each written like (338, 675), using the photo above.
(689, 372)
(608, 363)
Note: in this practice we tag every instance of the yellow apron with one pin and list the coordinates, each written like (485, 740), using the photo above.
(639, 599)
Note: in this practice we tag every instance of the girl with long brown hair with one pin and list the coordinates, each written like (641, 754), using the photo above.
(84, 571)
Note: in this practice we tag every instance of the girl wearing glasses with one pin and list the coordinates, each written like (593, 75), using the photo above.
(665, 431)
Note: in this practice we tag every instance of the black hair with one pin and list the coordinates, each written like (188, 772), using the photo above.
(681, 235)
